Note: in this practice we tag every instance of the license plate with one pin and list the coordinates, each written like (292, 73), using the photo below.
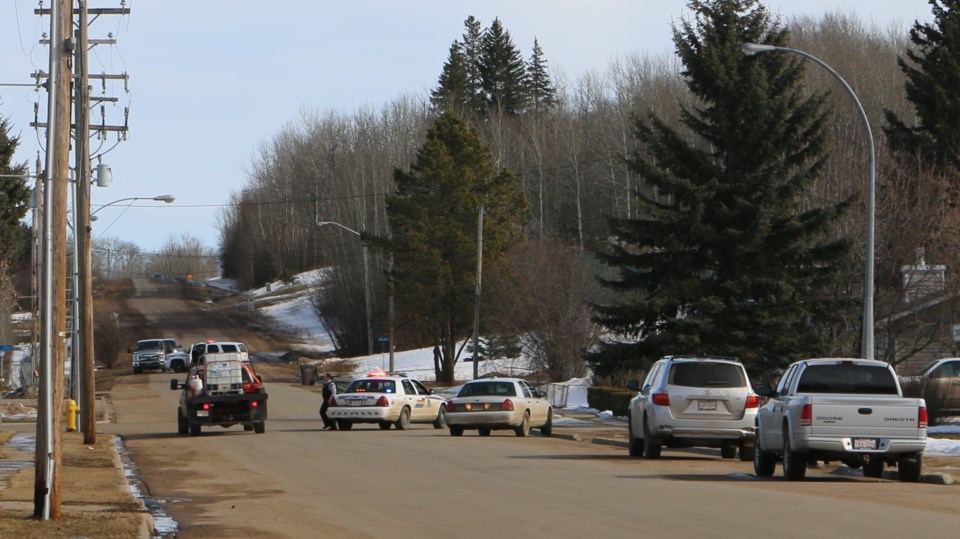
(203, 413)
(864, 443)
(356, 402)
(707, 406)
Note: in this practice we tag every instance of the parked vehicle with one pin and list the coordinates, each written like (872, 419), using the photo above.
(499, 404)
(176, 358)
(148, 354)
(693, 401)
(200, 349)
(945, 373)
(848, 410)
(387, 400)
(225, 390)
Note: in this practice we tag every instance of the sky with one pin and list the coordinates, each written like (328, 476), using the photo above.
(210, 82)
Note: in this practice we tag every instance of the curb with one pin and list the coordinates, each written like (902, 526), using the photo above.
(610, 441)
(146, 518)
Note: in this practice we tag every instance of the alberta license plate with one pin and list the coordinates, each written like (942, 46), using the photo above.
(356, 402)
(864, 443)
(203, 413)
(707, 405)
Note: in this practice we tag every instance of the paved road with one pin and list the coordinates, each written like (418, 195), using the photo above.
(298, 481)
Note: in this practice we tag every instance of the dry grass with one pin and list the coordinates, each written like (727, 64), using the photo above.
(95, 500)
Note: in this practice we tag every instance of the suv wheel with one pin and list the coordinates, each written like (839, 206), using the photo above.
(651, 445)
(728, 450)
(636, 444)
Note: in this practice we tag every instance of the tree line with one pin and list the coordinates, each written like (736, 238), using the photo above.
(720, 198)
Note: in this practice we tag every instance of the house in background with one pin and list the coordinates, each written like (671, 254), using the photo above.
(920, 327)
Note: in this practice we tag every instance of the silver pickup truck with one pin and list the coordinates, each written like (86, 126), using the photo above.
(848, 410)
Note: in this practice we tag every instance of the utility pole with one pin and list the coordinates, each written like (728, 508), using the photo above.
(47, 496)
(476, 299)
(86, 371)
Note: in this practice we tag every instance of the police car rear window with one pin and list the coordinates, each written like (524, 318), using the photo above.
(372, 386)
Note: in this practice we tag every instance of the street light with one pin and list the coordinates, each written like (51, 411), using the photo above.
(866, 345)
(366, 284)
(159, 198)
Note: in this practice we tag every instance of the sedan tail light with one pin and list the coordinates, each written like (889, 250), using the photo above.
(753, 401)
(806, 415)
(382, 401)
(661, 399)
(507, 405)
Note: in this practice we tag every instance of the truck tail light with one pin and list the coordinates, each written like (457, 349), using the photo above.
(254, 404)
(922, 417)
(806, 415)
(507, 405)
(753, 401)
(206, 406)
(382, 401)
(661, 399)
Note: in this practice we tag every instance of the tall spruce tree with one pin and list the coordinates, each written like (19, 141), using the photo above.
(14, 201)
(433, 224)
(540, 90)
(454, 92)
(503, 71)
(723, 260)
(932, 68)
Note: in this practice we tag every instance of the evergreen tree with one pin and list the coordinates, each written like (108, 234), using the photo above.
(472, 52)
(722, 259)
(454, 92)
(540, 88)
(932, 69)
(14, 202)
(503, 71)
(433, 224)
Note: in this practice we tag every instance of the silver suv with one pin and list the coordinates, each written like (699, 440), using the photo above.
(693, 401)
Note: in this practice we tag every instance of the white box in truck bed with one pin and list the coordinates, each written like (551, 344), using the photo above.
(223, 374)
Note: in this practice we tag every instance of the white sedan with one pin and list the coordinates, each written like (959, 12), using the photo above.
(386, 401)
(499, 404)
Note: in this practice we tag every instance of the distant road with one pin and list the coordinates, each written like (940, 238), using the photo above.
(298, 481)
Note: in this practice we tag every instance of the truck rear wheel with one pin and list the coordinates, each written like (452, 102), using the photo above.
(260, 427)
(182, 427)
(794, 463)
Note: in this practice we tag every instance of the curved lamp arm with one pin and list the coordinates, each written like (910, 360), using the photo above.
(159, 198)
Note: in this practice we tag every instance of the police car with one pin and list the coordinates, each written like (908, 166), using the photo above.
(387, 399)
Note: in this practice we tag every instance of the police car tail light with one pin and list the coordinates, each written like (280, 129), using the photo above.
(332, 401)
(507, 405)
(806, 415)
(922, 417)
(382, 401)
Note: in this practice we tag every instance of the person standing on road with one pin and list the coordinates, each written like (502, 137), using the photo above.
(329, 390)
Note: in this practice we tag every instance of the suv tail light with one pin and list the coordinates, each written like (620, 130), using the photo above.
(806, 415)
(382, 401)
(661, 399)
(922, 417)
(507, 405)
(753, 401)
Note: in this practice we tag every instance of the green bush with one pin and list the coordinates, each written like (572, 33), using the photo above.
(615, 399)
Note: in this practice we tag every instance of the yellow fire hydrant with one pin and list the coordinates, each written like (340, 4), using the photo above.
(72, 410)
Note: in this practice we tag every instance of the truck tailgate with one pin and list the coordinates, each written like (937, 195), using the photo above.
(879, 417)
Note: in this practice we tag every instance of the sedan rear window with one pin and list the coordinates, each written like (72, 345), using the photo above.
(701, 374)
(373, 385)
(482, 389)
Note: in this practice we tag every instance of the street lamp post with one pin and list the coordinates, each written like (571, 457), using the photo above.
(366, 286)
(85, 287)
(866, 345)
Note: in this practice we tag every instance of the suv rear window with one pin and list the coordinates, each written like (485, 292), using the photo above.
(851, 379)
(705, 374)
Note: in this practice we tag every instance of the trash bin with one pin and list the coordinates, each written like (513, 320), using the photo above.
(308, 374)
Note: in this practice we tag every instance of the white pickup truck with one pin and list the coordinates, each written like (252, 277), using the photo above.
(848, 410)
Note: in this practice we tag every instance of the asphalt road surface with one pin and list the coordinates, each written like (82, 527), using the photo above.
(298, 481)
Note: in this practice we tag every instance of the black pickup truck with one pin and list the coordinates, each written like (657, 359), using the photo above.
(222, 391)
